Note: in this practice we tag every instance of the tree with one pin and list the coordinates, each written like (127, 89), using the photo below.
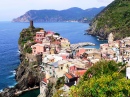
(57, 34)
(105, 86)
(106, 81)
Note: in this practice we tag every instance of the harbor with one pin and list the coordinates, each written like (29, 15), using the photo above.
(82, 44)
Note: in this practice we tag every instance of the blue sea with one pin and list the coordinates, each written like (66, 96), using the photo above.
(9, 35)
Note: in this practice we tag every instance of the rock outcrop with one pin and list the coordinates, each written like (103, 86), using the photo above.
(28, 72)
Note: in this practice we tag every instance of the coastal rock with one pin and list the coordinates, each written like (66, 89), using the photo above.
(27, 73)
(8, 92)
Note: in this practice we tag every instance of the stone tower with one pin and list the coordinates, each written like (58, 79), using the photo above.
(31, 24)
(110, 38)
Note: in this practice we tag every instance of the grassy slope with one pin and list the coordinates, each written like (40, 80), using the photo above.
(115, 18)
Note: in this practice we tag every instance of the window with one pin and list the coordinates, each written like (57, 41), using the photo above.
(34, 48)
(61, 68)
(50, 67)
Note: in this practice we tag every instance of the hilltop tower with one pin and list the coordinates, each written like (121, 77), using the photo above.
(110, 38)
(31, 24)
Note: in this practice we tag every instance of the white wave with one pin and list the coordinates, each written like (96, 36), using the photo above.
(18, 52)
(11, 76)
(14, 72)
(1, 90)
(11, 86)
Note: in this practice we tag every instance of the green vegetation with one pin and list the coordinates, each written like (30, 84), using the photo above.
(26, 39)
(57, 34)
(50, 88)
(28, 49)
(114, 18)
(60, 82)
(103, 80)
(58, 93)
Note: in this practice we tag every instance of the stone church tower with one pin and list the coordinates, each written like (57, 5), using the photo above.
(110, 38)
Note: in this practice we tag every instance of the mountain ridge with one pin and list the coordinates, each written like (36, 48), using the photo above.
(51, 15)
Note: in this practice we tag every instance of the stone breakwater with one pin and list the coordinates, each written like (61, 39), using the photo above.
(77, 45)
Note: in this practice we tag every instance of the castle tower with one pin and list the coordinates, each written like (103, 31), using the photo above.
(110, 38)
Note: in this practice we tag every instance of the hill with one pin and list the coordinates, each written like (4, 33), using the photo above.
(57, 16)
(114, 18)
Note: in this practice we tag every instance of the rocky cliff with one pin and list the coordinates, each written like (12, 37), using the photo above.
(58, 16)
(27, 73)
(114, 18)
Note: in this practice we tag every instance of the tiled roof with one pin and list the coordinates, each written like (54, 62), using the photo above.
(69, 75)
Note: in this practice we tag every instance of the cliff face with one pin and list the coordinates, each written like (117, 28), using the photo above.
(114, 18)
(57, 16)
(27, 74)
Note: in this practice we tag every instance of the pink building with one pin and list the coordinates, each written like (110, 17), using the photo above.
(39, 49)
(80, 51)
(49, 33)
(104, 47)
(64, 56)
(39, 36)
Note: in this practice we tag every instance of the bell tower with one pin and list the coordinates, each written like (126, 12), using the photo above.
(110, 38)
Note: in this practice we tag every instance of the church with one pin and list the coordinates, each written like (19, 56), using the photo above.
(111, 41)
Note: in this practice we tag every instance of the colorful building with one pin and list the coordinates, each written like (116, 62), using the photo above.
(40, 36)
(39, 49)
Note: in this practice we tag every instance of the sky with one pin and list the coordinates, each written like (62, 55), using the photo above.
(10, 9)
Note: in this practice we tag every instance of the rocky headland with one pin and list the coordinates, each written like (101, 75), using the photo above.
(27, 73)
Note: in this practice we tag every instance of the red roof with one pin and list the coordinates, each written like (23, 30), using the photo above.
(79, 72)
(45, 80)
(64, 56)
(68, 75)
